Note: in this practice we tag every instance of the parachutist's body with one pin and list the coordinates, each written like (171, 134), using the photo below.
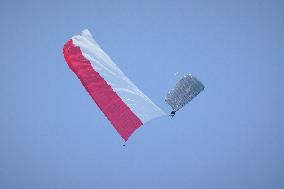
(172, 114)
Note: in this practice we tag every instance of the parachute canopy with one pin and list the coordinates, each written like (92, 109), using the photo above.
(185, 90)
(124, 105)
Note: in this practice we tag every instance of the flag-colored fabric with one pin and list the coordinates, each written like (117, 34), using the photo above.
(125, 106)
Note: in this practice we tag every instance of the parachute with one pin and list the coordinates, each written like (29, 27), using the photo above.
(185, 90)
(124, 105)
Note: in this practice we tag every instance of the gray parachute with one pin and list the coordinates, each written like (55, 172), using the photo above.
(185, 90)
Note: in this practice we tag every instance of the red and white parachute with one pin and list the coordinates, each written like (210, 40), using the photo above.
(125, 106)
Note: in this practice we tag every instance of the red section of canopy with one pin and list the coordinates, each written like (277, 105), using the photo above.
(117, 112)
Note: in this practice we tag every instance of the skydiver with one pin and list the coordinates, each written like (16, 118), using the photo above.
(172, 114)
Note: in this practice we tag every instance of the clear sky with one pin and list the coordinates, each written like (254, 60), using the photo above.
(53, 136)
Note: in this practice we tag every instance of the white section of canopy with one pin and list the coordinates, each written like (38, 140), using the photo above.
(138, 102)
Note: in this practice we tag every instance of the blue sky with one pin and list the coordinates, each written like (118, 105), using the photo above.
(53, 136)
